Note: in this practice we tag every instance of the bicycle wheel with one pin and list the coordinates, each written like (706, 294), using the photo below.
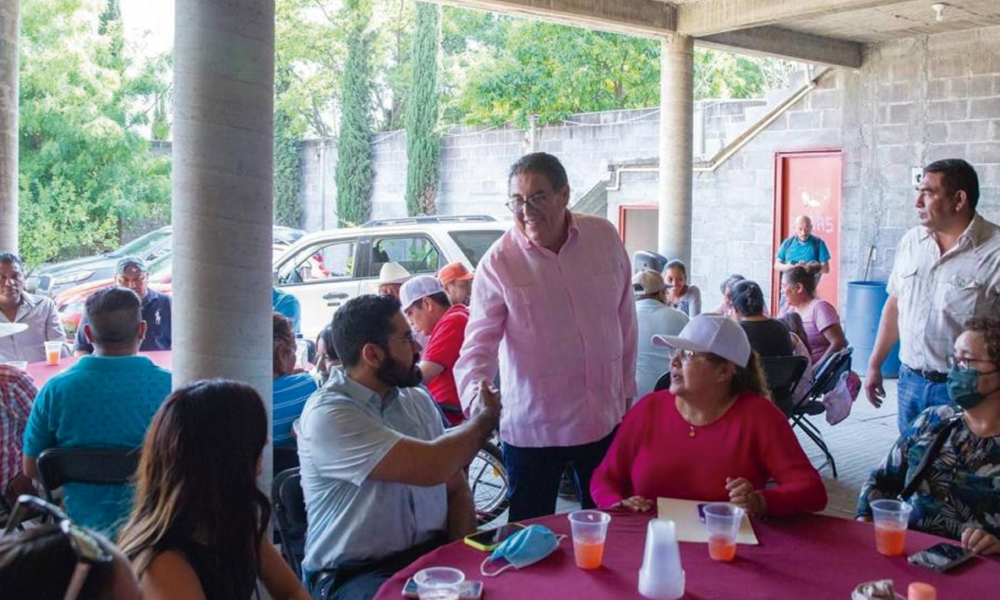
(489, 483)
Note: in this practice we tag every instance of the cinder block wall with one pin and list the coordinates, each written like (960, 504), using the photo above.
(475, 161)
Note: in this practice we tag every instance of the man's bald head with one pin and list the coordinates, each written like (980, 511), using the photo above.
(803, 227)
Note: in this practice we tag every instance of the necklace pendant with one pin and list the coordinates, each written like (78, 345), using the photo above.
(692, 432)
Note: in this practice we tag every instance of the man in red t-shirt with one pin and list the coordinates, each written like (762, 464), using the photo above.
(428, 309)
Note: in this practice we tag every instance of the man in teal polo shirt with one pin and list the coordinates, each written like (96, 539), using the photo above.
(106, 400)
(803, 249)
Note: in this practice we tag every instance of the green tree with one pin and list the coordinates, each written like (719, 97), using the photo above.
(354, 150)
(423, 143)
(287, 207)
(507, 70)
(85, 170)
(310, 54)
(160, 127)
(554, 71)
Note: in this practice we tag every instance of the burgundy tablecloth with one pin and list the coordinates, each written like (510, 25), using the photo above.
(41, 371)
(808, 557)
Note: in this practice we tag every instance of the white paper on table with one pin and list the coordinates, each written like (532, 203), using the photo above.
(684, 514)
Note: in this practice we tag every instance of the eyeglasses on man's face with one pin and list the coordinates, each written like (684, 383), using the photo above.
(536, 202)
(87, 548)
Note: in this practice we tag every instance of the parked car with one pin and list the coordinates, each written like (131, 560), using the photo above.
(70, 302)
(51, 279)
(325, 269)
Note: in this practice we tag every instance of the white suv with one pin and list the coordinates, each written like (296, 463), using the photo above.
(327, 268)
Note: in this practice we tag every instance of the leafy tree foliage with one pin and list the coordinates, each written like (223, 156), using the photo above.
(423, 144)
(86, 172)
(287, 208)
(354, 150)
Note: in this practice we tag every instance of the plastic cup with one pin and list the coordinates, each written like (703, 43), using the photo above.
(20, 365)
(439, 583)
(891, 520)
(53, 352)
(723, 523)
(590, 528)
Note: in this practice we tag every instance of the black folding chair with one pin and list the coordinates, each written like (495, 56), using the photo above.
(290, 516)
(825, 378)
(783, 374)
(102, 466)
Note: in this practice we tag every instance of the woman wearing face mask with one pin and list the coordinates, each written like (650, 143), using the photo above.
(957, 495)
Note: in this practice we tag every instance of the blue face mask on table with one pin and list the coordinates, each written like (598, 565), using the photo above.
(526, 547)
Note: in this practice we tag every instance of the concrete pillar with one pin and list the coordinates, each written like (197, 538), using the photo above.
(9, 27)
(222, 192)
(676, 133)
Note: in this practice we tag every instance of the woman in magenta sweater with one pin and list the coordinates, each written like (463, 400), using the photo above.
(713, 436)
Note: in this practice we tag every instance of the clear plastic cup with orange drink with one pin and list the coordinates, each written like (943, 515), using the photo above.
(53, 352)
(590, 529)
(891, 520)
(723, 523)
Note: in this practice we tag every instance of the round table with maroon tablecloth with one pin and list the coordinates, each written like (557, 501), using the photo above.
(41, 371)
(806, 557)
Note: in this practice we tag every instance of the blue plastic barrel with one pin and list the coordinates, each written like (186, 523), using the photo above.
(865, 300)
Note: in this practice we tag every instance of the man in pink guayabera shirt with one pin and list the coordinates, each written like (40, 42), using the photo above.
(552, 308)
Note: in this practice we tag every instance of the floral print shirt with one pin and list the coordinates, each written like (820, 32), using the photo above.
(962, 486)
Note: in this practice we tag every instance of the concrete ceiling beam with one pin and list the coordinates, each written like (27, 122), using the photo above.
(647, 18)
(709, 17)
(784, 43)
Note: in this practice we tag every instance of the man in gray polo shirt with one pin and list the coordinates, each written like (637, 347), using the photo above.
(383, 482)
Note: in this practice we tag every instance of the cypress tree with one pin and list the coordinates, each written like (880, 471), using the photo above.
(354, 150)
(423, 144)
(287, 207)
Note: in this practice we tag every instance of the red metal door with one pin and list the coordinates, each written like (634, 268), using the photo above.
(809, 183)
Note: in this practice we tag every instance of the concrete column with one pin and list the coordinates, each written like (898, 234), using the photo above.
(222, 192)
(676, 134)
(9, 27)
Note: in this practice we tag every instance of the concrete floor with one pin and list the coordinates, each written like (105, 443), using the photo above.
(858, 444)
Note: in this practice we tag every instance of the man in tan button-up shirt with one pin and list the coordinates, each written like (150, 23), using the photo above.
(947, 271)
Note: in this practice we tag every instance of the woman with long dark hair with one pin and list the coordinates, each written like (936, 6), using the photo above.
(199, 524)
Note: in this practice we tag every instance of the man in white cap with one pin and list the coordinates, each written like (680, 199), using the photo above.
(429, 310)
(38, 313)
(654, 317)
(391, 277)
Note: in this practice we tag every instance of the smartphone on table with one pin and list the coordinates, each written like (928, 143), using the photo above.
(471, 590)
(488, 540)
(941, 557)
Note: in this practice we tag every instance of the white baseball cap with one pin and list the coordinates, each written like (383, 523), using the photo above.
(418, 288)
(651, 282)
(393, 272)
(706, 333)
